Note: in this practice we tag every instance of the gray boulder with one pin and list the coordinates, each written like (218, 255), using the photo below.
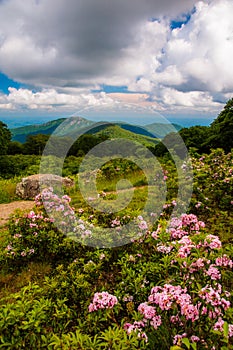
(31, 186)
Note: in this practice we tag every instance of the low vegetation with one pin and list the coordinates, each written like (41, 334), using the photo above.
(169, 287)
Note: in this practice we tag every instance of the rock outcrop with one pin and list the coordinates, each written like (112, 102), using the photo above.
(32, 185)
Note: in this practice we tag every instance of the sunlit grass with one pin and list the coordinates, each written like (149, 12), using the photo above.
(12, 282)
(117, 195)
(7, 190)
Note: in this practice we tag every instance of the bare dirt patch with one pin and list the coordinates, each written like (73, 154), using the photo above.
(7, 209)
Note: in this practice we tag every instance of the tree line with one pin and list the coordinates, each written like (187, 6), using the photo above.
(203, 138)
(35, 144)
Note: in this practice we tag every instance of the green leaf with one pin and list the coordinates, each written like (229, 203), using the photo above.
(194, 346)
(186, 342)
(225, 329)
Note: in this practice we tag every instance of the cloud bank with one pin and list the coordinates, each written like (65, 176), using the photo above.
(172, 56)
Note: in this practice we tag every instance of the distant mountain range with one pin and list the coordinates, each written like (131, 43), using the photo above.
(74, 126)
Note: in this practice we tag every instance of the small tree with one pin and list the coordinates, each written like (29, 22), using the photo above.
(5, 137)
(221, 130)
(195, 136)
(15, 147)
(35, 144)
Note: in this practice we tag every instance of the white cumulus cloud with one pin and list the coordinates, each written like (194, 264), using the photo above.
(50, 99)
(65, 50)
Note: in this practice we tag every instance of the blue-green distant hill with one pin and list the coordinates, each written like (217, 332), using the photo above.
(20, 134)
(63, 127)
(75, 126)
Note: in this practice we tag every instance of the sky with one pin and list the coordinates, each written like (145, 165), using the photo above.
(68, 57)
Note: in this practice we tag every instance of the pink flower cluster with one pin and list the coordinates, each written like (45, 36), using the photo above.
(198, 264)
(214, 299)
(137, 326)
(182, 228)
(186, 245)
(102, 300)
(166, 249)
(32, 222)
(155, 234)
(208, 269)
(213, 273)
(58, 209)
(165, 297)
(115, 222)
(218, 326)
(36, 218)
(51, 200)
(149, 313)
(212, 242)
(81, 230)
(177, 339)
(142, 223)
(185, 223)
(10, 250)
(224, 261)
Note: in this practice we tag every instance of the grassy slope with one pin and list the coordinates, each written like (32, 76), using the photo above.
(116, 132)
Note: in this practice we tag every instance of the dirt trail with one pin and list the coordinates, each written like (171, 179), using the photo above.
(7, 209)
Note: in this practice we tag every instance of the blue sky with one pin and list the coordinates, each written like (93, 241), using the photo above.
(6, 83)
(166, 58)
